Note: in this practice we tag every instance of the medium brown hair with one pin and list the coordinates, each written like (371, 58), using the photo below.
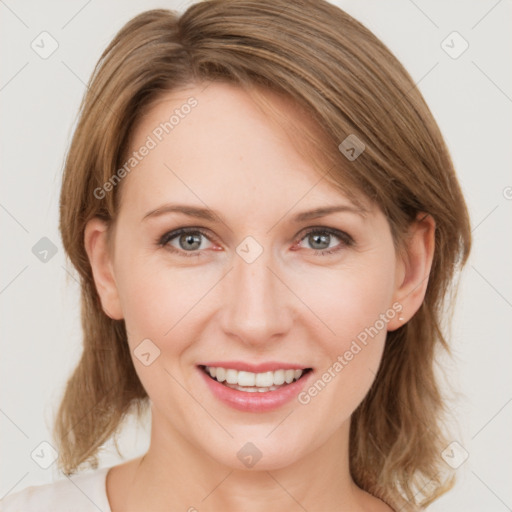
(350, 84)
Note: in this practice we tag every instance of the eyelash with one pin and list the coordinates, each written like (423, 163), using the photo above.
(346, 240)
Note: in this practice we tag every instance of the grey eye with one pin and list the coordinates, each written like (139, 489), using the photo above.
(319, 239)
(188, 241)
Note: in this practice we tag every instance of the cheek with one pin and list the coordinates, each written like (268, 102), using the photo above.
(159, 301)
(354, 305)
(350, 299)
(157, 306)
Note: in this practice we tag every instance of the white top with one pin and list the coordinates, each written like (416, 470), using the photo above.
(83, 492)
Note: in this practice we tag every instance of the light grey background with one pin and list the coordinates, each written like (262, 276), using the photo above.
(471, 98)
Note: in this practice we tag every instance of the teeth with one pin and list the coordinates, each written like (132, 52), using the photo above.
(245, 378)
(220, 374)
(253, 381)
(252, 389)
(279, 377)
(264, 380)
(231, 376)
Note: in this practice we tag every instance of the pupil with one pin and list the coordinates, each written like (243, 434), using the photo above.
(325, 240)
(191, 239)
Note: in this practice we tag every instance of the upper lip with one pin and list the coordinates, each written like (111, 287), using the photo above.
(269, 366)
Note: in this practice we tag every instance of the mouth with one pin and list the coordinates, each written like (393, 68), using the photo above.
(252, 382)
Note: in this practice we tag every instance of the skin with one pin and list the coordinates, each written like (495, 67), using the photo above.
(291, 304)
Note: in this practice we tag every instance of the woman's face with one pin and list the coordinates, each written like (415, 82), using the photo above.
(253, 291)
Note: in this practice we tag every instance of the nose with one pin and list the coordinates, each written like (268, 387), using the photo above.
(256, 307)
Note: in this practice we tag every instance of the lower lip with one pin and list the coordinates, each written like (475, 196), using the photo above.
(257, 401)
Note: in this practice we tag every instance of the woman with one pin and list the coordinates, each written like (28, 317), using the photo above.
(266, 220)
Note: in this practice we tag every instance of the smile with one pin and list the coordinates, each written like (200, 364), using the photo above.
(254, 387)
(251, 382)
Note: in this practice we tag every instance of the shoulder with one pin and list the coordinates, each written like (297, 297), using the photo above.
(84, 492)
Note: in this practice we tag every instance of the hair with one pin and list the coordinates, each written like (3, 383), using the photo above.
(349, 83)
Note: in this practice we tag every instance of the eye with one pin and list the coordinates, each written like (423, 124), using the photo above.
(320, 239)
(188, 240)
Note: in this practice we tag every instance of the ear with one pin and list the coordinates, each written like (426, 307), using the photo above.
(413, 269)
(95, 240)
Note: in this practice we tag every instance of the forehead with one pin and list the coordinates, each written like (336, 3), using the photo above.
(219, 145)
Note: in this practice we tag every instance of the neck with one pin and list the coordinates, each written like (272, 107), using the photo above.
(176, 475)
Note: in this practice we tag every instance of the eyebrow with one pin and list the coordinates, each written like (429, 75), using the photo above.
(212, 216)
